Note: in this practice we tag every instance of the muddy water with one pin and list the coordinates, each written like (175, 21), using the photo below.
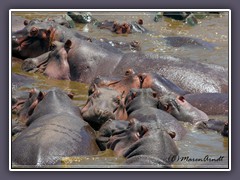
(209, 149)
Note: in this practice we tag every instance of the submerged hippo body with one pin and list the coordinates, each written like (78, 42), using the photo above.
(89, 59)
(123, 46)
(124, 28)
(142, 147)
(215, 125)
(142, 105)
(55, 130)
(189, 42)
(19, 80)
(188, 75)
(210, 103)
(160, 84)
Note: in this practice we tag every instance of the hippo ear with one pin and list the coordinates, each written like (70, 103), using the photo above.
(142, 76)
(181, 98)
(132, 122)
(140, 22)
(154, 94)
(25, 22)
(172, 134)
(143, 131)
(89, 39)
(35, 103)
(40, 96)
(70, 95)
(68, 44)
(32, 91)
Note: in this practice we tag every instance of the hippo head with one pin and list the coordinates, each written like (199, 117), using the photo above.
(57, 66)
(30, 104)
(33, 40)
(103, 104)
(178, 107)
(213, 124)
(35, 96)
(138, 98)
(124, 84)
(135, 141)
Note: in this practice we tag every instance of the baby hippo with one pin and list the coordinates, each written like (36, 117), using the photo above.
(142, 147)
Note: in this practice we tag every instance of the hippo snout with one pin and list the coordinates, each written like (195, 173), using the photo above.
(103, 113)
(96, 117)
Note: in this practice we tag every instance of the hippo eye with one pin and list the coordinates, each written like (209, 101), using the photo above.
(129, 72)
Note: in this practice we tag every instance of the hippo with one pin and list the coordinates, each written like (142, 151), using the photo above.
(55, 130)
(215, 125)
(19, 80)
(191, 76)
(124, 46)
(124, 28)
(189, 42)
(178, 107)
(103, 104)
(122, 84)
(64, 20)
(19, 22)
(142, 104)
(87, 59)
(209, 103)
(142, 147)
(17, 127)
(57, 65)
(24, 107)
(36, 64)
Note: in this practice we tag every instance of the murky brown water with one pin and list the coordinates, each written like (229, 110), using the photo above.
(214, 29)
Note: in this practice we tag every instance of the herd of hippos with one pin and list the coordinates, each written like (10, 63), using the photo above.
(135, 103)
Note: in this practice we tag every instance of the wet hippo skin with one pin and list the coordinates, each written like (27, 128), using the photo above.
(103, 104)
(55, 130)
(210, 103)
(142, 147)
(87, 59)
(142, 105)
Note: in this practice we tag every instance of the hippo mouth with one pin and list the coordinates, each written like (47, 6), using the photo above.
(118, 136)
(18, 47)
(23, 43)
